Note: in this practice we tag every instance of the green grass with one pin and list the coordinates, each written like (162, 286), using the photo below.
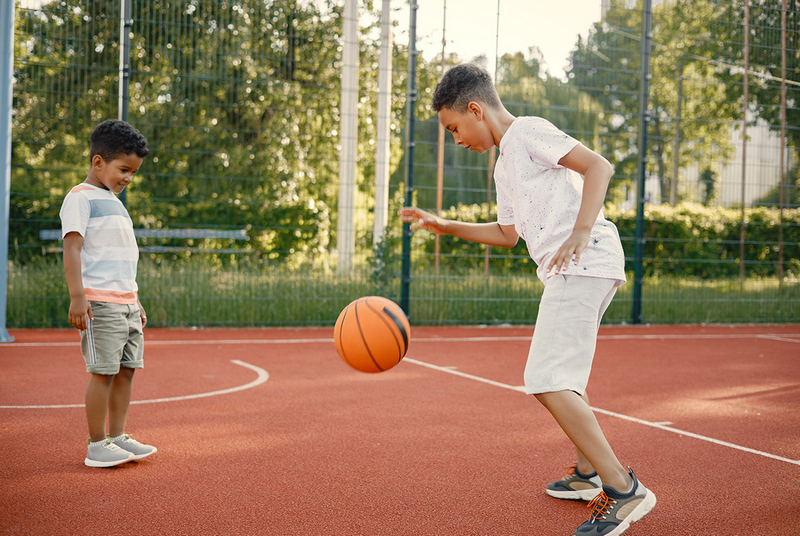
(195, 293)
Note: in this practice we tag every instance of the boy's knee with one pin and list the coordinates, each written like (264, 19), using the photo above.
(125, 374)
(544, 398)
(554, 397)
(102, 378)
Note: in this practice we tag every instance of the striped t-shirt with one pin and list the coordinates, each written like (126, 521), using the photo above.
(109, 255)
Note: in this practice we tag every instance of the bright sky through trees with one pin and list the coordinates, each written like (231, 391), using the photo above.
(471, 27)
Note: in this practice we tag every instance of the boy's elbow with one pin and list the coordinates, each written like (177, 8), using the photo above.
(510, 236)
(511, 240)
(609, 168)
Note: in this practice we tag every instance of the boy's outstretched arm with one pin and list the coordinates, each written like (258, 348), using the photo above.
(597, 172)
(492, 234)
(79, 308)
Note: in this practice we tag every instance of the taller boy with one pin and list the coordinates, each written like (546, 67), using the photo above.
(100, 257)
(541, 198)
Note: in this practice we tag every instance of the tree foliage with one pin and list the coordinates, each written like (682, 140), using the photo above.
(239, 102)
(607, 65)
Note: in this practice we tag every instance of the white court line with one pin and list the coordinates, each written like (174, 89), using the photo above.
(263, 376)
(778, 338)
(660, 426)
(782, 337)
(183, 343)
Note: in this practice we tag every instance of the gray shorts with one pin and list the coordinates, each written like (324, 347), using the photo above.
(565, 335)
(113, 339)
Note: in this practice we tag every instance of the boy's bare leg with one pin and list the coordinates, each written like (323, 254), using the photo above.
(576, 418)
(119, 401)
(583, 465)
(97, 404)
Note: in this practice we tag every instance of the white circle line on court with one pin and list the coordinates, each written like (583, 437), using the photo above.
(263, 376)
(660, 426)
(780, 337)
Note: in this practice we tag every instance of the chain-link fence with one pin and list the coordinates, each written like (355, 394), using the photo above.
(236, 208)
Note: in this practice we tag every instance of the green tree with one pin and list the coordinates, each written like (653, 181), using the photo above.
(65, 81)
(607, 66)
(239, 102)
(764, 91)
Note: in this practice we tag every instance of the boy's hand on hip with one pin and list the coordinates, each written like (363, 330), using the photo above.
(422, 220)
(570, 250)
(80, 312)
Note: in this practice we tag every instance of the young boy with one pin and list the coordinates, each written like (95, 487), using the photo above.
(100, 257)
(541, 198)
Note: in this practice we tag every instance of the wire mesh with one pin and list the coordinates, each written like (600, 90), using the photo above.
(240, 102)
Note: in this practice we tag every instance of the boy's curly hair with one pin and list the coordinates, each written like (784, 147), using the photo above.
(463, 84)
(113, 139)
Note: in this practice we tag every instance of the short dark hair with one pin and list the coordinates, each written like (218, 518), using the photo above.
(113, 139)
(463, 84)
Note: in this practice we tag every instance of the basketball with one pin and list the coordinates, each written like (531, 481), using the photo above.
(372, 334)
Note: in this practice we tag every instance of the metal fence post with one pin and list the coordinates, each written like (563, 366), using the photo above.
(125, 24)
(644, 120)
(6, 102)
(405, 286)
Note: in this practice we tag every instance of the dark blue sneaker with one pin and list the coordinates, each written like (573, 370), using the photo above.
(576, 486)
(613, 512)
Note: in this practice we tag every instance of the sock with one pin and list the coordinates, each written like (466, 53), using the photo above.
(118, 438)
(584, 475)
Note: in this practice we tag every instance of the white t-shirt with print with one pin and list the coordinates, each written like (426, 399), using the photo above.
(541, 199)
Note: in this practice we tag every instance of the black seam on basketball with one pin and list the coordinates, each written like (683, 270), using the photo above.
(341, 343)
(400, 326)
(364, 340)
(388, 325)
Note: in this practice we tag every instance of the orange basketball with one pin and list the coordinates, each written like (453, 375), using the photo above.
(372, 334)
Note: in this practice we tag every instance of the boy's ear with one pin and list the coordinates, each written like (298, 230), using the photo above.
(98, 161)
(474, 108)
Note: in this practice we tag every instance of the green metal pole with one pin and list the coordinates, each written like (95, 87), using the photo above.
(411, 100)
(644, 120)
(125, 23)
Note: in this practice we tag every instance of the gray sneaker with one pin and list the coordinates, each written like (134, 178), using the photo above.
(576, 486)
(613, 512)
(139, 451)
(106, 454)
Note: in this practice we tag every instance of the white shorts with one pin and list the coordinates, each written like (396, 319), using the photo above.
(565, 335)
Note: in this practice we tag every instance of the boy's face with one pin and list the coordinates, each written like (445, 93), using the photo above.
(468, 128)
(116, 174)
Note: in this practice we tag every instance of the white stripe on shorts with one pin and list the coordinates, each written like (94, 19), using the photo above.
(90, 337)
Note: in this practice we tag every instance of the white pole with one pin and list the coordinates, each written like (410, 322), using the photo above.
(6, 102)
(382, 151)
(348, 137)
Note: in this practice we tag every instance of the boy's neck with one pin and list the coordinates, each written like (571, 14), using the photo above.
(91, 180)
(499, 121)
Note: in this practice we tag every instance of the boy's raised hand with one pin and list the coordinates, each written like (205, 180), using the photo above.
(421, 219)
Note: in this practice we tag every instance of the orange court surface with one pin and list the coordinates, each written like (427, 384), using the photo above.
(269, 432)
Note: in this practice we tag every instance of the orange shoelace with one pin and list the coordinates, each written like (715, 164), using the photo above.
(571, 471)
(601, 505)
